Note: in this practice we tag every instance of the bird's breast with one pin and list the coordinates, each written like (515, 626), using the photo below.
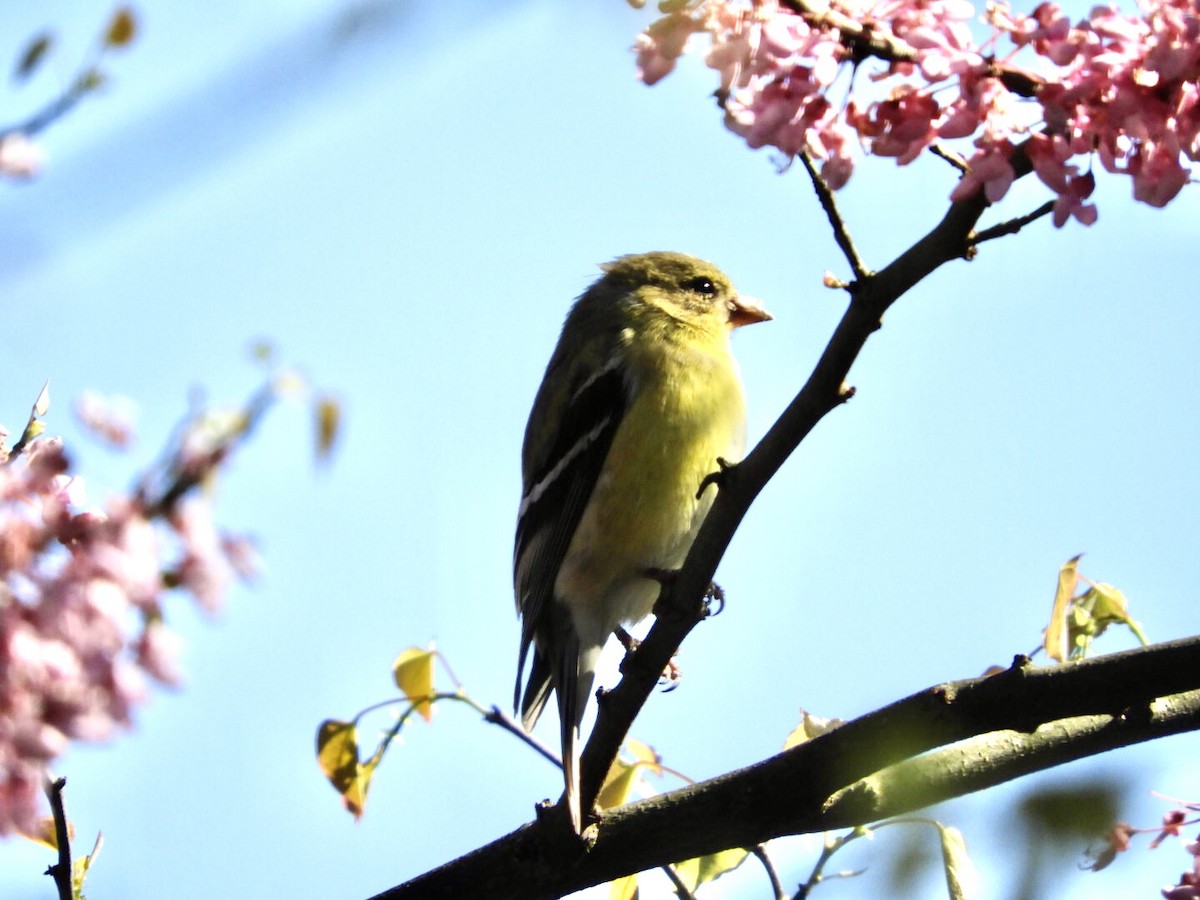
(643, 512)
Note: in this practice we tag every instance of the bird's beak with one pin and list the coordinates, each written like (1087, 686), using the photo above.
(744, 310)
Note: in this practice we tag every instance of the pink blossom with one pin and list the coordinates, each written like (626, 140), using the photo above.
(109, 418)
(1111, 87)
(82, 594)
(989, 169)
(661, 44)
(20, 158)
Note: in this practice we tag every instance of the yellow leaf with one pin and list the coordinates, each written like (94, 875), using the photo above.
(80, 866)
(45, 833)
(1110, 603)
(337, 755)
(329, 418)
(703, 869)
(413, 671)
(121, 28)
(1055, 638)
(42, 403)
(626, 774)
(642, 752)
(810, 727)
(623, 888)
(621, 780)
(962, 882)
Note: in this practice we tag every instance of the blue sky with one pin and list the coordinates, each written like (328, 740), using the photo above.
(404, 198)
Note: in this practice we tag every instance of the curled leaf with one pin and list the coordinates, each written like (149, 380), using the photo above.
(810, 727)
(42, 404)
(413, 673)
(962, 881)
(337, 755)
(1055, 637)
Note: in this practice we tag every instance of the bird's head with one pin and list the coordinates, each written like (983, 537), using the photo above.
(686, 289)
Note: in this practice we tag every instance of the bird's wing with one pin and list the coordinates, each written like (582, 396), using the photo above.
(558, 484)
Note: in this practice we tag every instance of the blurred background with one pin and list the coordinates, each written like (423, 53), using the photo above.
(404, 198)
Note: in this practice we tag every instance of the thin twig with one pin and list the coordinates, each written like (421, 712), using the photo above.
(865, 39)
(955, 159)
(760, 852)
(50, 113)
(1012, 226)
(61, 870)
(497, 716)
(681, 889)
(841, 233)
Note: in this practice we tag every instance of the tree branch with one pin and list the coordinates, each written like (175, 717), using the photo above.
(874, 293)
(62, 870)
(1023, 720)
(545, 859)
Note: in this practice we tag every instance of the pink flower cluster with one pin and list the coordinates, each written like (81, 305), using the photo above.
(81, 613)
(1120, 89)
(1173, 824)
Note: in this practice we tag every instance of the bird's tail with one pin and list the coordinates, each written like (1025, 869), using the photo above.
(575, 680)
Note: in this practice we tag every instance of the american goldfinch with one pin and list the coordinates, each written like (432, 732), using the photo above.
(639, 400)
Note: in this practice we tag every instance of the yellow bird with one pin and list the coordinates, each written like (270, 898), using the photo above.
(640, 398)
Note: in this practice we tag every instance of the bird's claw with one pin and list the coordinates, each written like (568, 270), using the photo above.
(670, 676)
(714, 596)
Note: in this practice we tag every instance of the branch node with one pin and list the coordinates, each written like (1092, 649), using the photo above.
(724, 471)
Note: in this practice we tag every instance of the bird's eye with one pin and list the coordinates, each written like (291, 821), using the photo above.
(701, 285)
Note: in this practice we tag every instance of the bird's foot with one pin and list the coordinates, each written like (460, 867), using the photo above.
(671, 675)
(714, 597)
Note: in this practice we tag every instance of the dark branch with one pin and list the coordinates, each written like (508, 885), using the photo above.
(892, 761)
(950, 239)
(61, 871)
(1012, 226)
(841, 233)
(760, 853)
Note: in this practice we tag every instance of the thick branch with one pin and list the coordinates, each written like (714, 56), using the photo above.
(1024, 720)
